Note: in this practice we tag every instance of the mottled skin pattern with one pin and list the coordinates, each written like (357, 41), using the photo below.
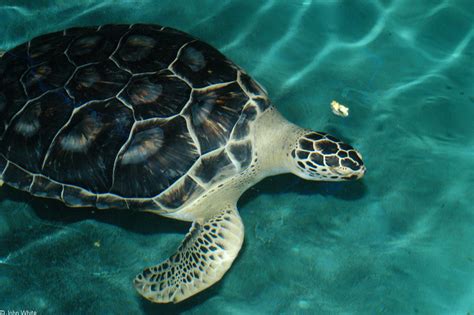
(321, 155)
(149, 118)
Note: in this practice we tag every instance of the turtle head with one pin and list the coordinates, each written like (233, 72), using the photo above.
(321, 157)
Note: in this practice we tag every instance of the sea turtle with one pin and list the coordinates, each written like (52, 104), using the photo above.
(149, 118)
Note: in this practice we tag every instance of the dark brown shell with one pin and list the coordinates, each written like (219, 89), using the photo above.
(136, 116)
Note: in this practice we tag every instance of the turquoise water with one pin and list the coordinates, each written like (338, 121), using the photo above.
(401, 241)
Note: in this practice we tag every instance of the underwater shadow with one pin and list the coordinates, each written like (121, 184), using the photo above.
(134, 221)
(149, 223)
(288, 183)
(139, 222)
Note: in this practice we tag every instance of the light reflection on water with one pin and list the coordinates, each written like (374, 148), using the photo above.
(400, 241)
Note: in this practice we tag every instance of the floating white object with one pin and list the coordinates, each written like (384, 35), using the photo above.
(339, 109)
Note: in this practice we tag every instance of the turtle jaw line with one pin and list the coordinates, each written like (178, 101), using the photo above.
(331, 174)
(353, 175)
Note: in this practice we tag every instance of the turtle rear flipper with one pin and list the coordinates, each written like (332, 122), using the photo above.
(205, 255)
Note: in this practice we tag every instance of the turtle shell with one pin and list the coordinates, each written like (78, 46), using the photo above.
(138, 116)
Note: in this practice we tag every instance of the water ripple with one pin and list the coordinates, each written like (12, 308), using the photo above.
(249, 29)
(435, 71)
(333, 45)
(405, 69)
(285, 39)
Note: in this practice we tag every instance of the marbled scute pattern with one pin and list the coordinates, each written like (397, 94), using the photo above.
(120, 115)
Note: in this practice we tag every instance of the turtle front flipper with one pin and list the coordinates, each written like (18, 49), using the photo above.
(203, 258)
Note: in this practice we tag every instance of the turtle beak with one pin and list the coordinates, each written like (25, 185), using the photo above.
(356, 170)
(355, 174)
(361, 172)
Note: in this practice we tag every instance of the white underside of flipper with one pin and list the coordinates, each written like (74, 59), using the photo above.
(203, 258)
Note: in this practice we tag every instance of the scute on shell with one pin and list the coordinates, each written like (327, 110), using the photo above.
(128, 116)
